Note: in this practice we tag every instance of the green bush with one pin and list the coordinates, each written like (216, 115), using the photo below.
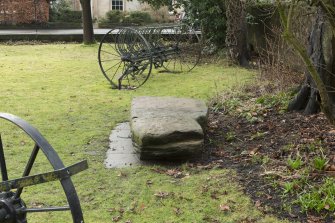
(66, 16)
(117, 17)
(71, 16)
(138, 17)
(60, 12)
(211, 16)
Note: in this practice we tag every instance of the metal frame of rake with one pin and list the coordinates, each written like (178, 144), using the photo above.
(126, 55)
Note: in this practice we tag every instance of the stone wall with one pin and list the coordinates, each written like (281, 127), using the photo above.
(24, 11)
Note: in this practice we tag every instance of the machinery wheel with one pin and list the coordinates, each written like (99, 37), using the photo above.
(186, 46)
(125, 58)
(12, 208)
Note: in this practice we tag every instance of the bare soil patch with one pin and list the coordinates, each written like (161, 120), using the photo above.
(259, 151)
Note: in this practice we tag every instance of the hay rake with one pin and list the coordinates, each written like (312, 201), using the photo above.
(127, 55)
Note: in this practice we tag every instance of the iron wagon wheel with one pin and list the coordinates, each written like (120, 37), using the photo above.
(183, 48)
(125, 58)
(12, 208)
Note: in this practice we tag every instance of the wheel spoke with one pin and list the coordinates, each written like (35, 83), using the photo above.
(25, 210)
(3, 166)
(119, 63)
(28, 167)
(110, 53)
(60, 174)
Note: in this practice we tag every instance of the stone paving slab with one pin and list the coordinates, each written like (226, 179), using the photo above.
(121, 151)
(150, 107)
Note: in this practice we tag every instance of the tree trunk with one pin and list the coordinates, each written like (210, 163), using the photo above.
(236, 34)
(88, 36)
(321, 51)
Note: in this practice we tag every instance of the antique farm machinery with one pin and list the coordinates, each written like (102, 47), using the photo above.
(12, 207)
(126, 55)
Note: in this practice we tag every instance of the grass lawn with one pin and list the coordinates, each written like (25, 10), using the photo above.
(60, 90)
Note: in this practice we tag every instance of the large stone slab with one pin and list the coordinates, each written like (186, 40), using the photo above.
(168, 128)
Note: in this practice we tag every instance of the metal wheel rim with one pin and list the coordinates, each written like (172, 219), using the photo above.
(134, 78)
(189, 55)
(53, 159)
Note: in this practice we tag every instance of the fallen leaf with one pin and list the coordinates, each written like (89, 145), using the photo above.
(121, 174)
(292, 215)
(205, 188)
(253, 151)
(175, 173)
(162, 194)
(296, 176)
(177, 211)
(327, 206)
(171, 172)
(224, 207)
(116, 219)
(214, 195)
(149, 182)
(313, 219)
(111, 210)
(158, 170)
(258, 204)
(331, 168)
(142, 207)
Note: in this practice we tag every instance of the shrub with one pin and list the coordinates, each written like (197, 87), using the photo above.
(117, 17)
(66, 16)
(138, 17)
(211, 16)
(71, 16)
(60, 12)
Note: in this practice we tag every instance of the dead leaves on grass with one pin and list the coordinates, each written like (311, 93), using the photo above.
(176, 173)
(224, 207)
(162, 194)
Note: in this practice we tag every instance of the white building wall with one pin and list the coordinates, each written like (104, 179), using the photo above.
(100, 7)
(132, 5)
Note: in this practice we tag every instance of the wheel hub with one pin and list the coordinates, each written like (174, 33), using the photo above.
(10, 208)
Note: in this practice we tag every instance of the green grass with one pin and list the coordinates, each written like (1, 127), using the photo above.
(60, 90)
(318, 198)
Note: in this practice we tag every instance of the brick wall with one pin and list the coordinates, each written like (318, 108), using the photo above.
(24, 11)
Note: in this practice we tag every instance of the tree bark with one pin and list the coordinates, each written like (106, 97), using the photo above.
(88, 36)
(321, 51)
(236, 34)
